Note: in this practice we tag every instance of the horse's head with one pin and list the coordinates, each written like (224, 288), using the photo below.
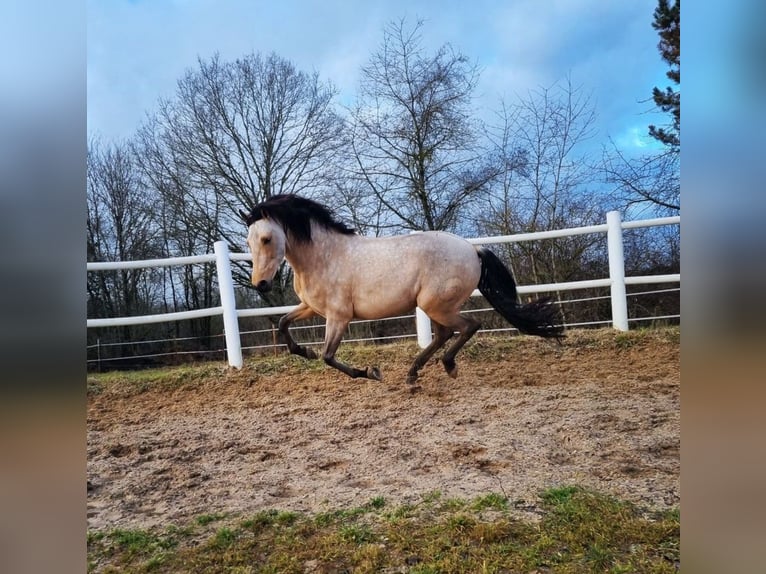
(266, 240)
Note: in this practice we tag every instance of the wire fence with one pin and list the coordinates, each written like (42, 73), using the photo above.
(221, 327)
(267, 341)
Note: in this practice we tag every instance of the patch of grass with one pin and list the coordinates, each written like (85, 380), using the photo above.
(559, 496)
(177, 532)
(357, 533)
(134, 549)
(604, 533)
(453, 504)
(337, 516)
(287, 517)
(377, 503)
(130, 383)
(458, 524)
(491, 501)
(261, 519)
(399, 513)
(94, 386)
(625, 340)
(223, 538)
(325, 518)
(205, 519)
(579, 531)
(139, 542)
(432, 497)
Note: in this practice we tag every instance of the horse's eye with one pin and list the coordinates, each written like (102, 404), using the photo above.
(266, 240)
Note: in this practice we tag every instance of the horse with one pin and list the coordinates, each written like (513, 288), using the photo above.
(341, 275)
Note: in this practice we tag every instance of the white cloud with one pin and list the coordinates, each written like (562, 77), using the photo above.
(138, 50)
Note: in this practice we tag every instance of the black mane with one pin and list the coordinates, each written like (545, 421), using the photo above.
(296, 213)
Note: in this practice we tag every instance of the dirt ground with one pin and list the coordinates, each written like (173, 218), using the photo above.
(601, 411)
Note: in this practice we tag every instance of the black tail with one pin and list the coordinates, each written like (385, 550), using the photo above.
(497, 285)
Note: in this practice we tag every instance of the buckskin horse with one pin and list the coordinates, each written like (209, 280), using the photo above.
(341, 276)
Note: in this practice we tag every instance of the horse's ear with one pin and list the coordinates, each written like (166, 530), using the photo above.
(244, 216)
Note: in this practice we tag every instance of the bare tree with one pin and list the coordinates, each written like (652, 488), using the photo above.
(546, 182)
(251, 128)
(189, 218)
(546, 130)
(120, 227)
(235, 134)
(414, 139)
(651, 182)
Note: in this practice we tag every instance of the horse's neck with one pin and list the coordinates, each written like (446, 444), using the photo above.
(306, 256)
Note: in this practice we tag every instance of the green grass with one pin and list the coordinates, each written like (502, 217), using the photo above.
(579, 531)
(492, 501)
(205, 519)
(129, 383)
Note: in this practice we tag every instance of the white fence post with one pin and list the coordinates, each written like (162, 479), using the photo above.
(226, 288)
(423, 325)
(617, 271)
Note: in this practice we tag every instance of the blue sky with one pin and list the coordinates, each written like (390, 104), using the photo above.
(138, 49)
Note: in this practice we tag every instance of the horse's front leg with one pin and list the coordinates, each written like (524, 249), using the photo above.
(333, 334)
(302, 311)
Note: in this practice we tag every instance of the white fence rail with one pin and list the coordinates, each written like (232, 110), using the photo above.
(222, 257)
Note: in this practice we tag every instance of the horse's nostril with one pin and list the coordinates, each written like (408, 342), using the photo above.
(263, 286)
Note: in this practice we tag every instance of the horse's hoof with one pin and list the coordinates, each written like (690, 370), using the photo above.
(374, 374)
(450, 367)
(411, 379)
(311, 354)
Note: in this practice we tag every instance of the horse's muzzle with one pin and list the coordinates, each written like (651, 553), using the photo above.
(263, 286)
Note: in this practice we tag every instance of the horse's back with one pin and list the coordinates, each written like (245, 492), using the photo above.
(394, 274)
(419, 255)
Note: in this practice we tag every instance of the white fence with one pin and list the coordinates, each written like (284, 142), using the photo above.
(222, 258)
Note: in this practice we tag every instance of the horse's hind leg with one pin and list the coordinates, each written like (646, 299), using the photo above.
(442, 334)
(466, 328)
(302, 311)
(333, 335)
